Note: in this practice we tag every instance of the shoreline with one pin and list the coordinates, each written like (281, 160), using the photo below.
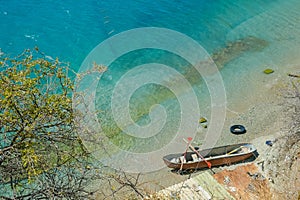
(266, 119)
(270, 117)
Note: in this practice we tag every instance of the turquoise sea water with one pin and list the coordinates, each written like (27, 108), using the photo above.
(243, 37)
(70, 30)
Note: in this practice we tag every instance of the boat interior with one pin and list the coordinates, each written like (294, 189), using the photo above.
(213, 153)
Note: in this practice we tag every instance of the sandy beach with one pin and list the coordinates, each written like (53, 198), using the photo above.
(270, 113)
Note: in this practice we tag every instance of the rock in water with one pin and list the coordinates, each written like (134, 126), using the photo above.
(268, 71)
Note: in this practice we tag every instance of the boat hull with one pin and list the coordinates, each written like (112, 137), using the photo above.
(217, 160)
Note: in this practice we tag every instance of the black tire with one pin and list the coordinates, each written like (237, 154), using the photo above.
(237, 129)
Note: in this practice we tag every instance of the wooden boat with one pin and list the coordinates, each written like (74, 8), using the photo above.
(224, 155)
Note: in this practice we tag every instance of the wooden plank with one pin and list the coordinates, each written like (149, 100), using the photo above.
(201, 187)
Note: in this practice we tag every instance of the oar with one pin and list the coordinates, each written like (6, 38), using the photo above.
(234, 150)
(184, 155)
(208, 163)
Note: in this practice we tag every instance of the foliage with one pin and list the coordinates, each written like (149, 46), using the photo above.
(37, 130)
(41, 156)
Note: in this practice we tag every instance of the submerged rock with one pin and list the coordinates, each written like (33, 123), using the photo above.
(204, 125)
(235, 48)
(202, 120)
